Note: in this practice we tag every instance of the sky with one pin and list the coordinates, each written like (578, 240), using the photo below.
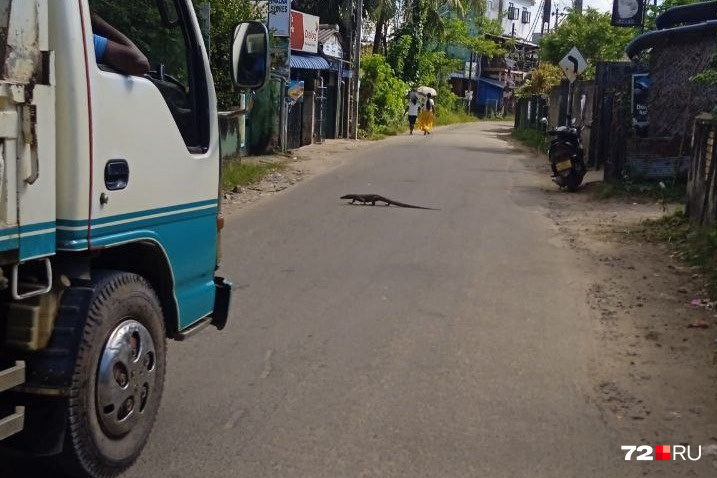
(602, 5)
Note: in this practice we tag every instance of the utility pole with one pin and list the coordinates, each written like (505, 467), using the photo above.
(557, 15)
(357, 67)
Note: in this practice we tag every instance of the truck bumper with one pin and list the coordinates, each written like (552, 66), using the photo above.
(222, 302)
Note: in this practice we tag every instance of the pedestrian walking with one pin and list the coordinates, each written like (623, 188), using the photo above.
(412, 109)
(427, 116)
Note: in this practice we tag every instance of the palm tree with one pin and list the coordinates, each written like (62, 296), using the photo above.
(437, 10)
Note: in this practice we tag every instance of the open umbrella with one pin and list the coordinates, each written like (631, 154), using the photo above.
(426, 90)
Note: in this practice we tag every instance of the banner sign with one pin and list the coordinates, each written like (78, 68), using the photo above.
(627, 13)
(279, 17)
(304, 32)
(640, 98)
(296, 91)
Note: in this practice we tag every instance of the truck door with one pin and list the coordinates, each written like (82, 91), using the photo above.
(27, 131)
(155, 155)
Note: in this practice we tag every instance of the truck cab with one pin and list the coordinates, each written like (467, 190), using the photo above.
(109, 219)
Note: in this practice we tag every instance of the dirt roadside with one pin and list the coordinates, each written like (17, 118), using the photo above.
(654, 375)
(300, 165)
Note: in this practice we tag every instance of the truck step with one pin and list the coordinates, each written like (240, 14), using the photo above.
(12, 377)
(12, 424)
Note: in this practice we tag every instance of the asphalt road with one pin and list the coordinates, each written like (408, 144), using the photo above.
(375, 341)
(382, 342)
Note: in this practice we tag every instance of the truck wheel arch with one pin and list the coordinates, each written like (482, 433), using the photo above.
(148, 259)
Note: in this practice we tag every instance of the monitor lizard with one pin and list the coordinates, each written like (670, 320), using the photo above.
(374, 198)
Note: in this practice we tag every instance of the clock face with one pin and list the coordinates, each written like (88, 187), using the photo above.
(627, 8)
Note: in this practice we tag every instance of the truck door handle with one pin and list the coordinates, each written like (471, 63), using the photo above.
(116, 174)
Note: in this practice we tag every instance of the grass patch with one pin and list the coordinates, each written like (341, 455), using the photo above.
(454, 117)
(532, 138)
(664, 192)
(444, 119)
(695, 246)
(245, 174)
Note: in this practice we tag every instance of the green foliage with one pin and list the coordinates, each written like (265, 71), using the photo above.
(398, 51)
(457, 34)
(532, 138)
(592, 33)
(447, 117)
(382, 95)
(541, 81)
(235, 173)
(435, 68)
(226, 14)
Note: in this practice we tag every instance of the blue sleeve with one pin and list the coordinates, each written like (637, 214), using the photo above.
(100, 47)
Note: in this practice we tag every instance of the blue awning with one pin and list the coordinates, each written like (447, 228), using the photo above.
(309, 62)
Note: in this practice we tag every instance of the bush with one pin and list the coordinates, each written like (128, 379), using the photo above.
(382, 95)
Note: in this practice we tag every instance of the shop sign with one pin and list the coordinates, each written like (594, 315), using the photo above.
(332, 47)
(304, 32)
(279, 17)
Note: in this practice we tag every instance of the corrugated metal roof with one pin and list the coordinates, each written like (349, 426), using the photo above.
(309, 62)
(327, 31)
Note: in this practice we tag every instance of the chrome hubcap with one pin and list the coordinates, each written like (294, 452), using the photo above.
(126, 377)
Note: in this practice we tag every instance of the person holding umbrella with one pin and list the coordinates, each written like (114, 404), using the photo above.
(427, 116)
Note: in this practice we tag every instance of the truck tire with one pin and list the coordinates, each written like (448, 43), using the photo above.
(118, 377)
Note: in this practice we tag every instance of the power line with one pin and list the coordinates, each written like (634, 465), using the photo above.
(537, 16)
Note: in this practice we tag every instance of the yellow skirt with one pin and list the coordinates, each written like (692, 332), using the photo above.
(425, 120)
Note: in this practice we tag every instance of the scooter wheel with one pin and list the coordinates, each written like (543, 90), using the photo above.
(573, 181)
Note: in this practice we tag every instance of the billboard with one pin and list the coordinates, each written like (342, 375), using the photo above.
(304, 32)
(628, 13)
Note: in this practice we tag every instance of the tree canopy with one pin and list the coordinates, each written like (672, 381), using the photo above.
(591, 33)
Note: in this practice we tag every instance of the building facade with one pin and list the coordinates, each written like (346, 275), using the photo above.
(517, 17)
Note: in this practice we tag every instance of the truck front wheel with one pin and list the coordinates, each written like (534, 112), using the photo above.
(118, 377)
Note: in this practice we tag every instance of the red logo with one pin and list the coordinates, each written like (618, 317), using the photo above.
(662, 452)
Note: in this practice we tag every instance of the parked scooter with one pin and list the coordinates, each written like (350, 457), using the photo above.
(566, 156)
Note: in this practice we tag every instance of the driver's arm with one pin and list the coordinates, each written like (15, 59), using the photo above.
(120, 52)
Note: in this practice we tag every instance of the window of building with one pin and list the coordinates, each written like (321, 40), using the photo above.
(513, 12)
(526, 16)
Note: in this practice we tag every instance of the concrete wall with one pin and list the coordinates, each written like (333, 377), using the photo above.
(232, 137)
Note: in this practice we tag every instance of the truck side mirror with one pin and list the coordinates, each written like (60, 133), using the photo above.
(250, 55)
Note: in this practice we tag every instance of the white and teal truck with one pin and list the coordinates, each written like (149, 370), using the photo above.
(109, 220)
